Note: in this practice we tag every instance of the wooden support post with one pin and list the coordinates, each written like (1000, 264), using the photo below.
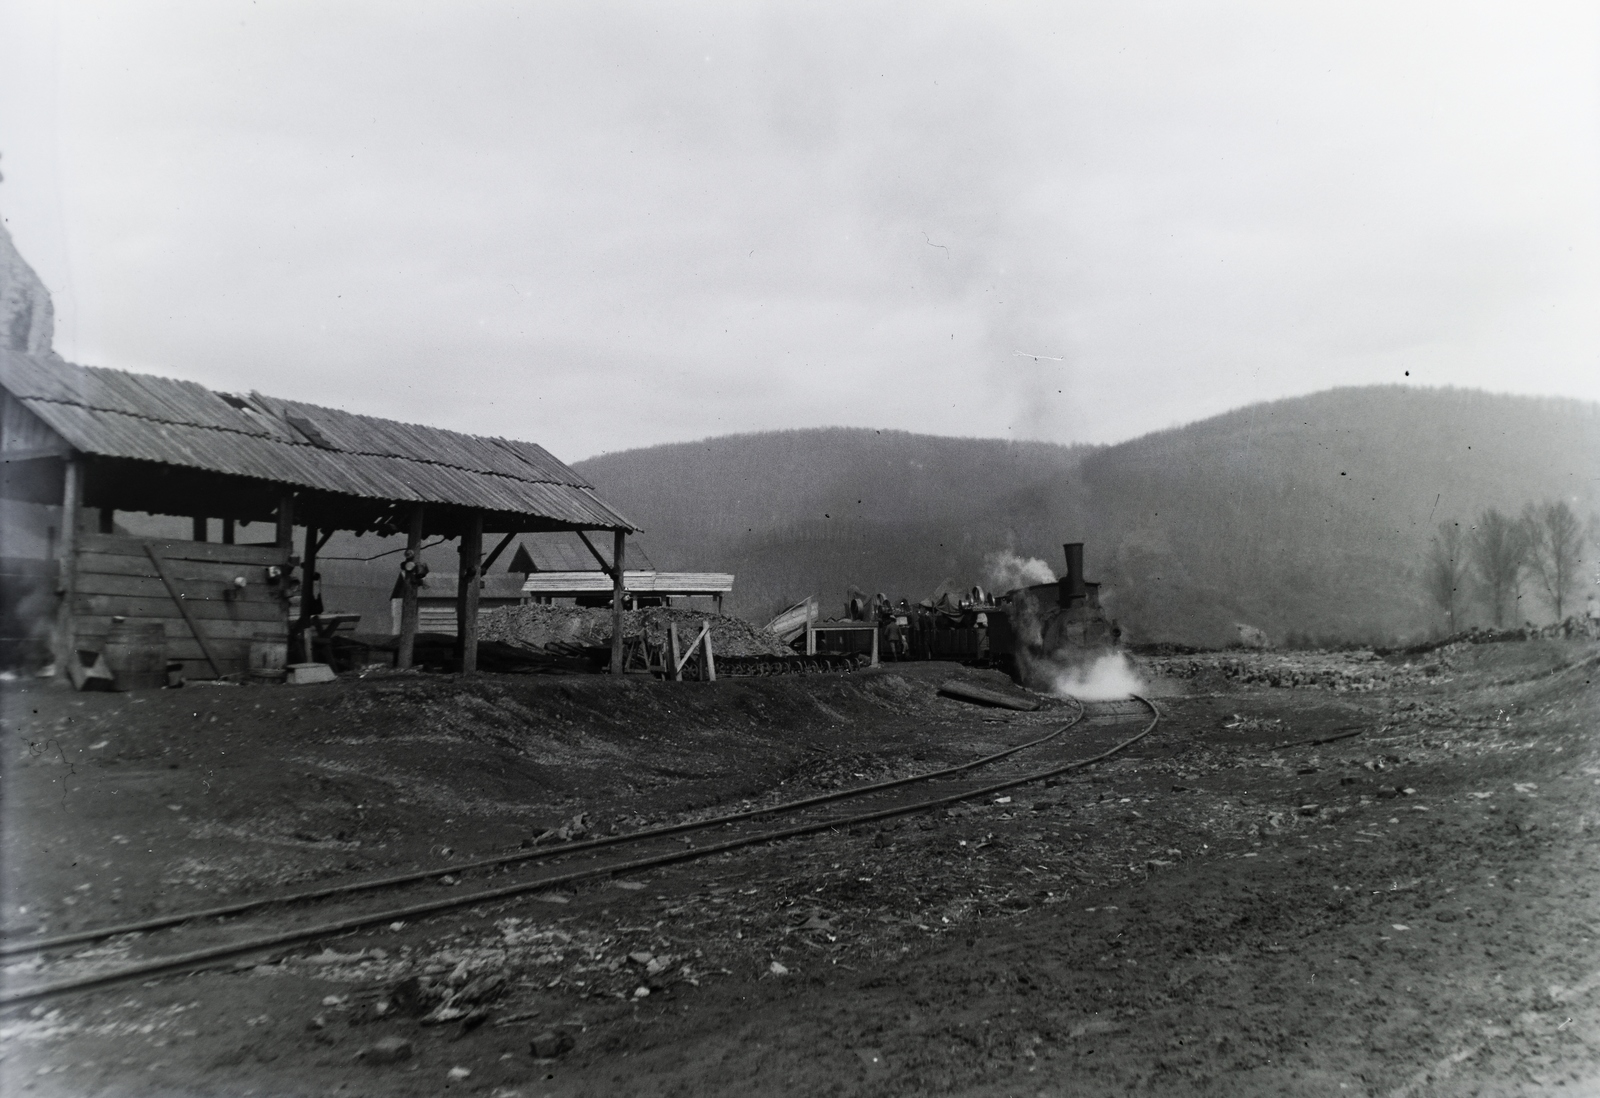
(199, 528)
(620, 544)
(67, 575)
(408, 592)
(467, 593)
(708, 662)
(719, 605)
(308, 592)
(286, 523)
(227, 531)
(874, 646)
(108, 520)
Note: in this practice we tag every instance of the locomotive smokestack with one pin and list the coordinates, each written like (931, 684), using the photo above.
(1072, 583)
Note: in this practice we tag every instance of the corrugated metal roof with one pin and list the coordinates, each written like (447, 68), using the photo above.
(112, 413)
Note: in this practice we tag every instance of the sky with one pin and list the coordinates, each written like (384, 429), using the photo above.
(599, 226)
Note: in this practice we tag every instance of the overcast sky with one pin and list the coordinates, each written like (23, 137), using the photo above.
(602, 226)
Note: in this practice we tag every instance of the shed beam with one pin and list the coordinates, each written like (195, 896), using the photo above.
(605, 566)
(619, 546)
(498, 549)
(408, 591)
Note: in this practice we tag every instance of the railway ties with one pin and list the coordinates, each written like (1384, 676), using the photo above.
(754, 823)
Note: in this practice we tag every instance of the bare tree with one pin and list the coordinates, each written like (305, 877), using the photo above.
(1555, 547)
(1445, 571)
(1499, 549)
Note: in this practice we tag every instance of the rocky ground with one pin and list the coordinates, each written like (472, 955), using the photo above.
(1227, 908)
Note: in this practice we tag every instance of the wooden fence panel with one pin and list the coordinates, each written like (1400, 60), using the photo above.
(116, 578)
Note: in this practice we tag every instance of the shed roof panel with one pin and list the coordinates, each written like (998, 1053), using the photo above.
(111, 413)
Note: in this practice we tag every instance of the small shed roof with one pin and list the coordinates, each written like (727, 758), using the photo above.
(116, 414)
(565, 553)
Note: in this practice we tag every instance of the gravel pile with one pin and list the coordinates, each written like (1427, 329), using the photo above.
(1343, 671)
(538, 627)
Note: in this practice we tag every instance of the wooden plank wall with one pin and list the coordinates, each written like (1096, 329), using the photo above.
(439, 615)
(116, 578)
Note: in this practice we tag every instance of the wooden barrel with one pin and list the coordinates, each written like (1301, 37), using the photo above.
(269, 654)
(136, 653)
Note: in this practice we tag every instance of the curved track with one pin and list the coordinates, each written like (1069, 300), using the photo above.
(348, 888)
(207, 956)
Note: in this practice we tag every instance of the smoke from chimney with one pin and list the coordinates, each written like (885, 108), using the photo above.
(1006, 571)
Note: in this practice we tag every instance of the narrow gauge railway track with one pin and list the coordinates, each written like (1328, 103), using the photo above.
(210, 955)
(348, 888)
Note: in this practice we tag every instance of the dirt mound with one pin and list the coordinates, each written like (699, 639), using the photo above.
(540, 627)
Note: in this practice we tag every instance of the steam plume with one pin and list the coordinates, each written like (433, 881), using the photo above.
(1109, 677)
(1007, 571)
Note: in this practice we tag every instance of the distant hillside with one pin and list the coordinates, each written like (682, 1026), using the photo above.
(1306, 515)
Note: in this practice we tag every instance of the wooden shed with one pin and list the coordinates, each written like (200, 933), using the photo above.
(89, 442)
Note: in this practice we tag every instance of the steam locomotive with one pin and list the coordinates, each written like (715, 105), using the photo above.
(1058, 621)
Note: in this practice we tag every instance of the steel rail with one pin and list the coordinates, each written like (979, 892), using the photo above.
(204, 957)
(161, 922)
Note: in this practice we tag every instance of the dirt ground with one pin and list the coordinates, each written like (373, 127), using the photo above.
(1407, 911)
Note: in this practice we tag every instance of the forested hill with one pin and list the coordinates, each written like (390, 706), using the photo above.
(1307, 515)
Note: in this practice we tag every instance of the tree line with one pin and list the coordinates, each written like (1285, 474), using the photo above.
(1490, 561)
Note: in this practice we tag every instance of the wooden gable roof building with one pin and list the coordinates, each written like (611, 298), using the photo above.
(92, 440)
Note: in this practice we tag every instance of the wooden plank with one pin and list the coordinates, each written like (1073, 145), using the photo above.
(437, 619)
(149, 586)
(673, 662)
(108, 564)
(688, 653)
(123, 545)
(98, 627)
(983, 696)
(133, 606)
(177, 598)
(185, 648)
